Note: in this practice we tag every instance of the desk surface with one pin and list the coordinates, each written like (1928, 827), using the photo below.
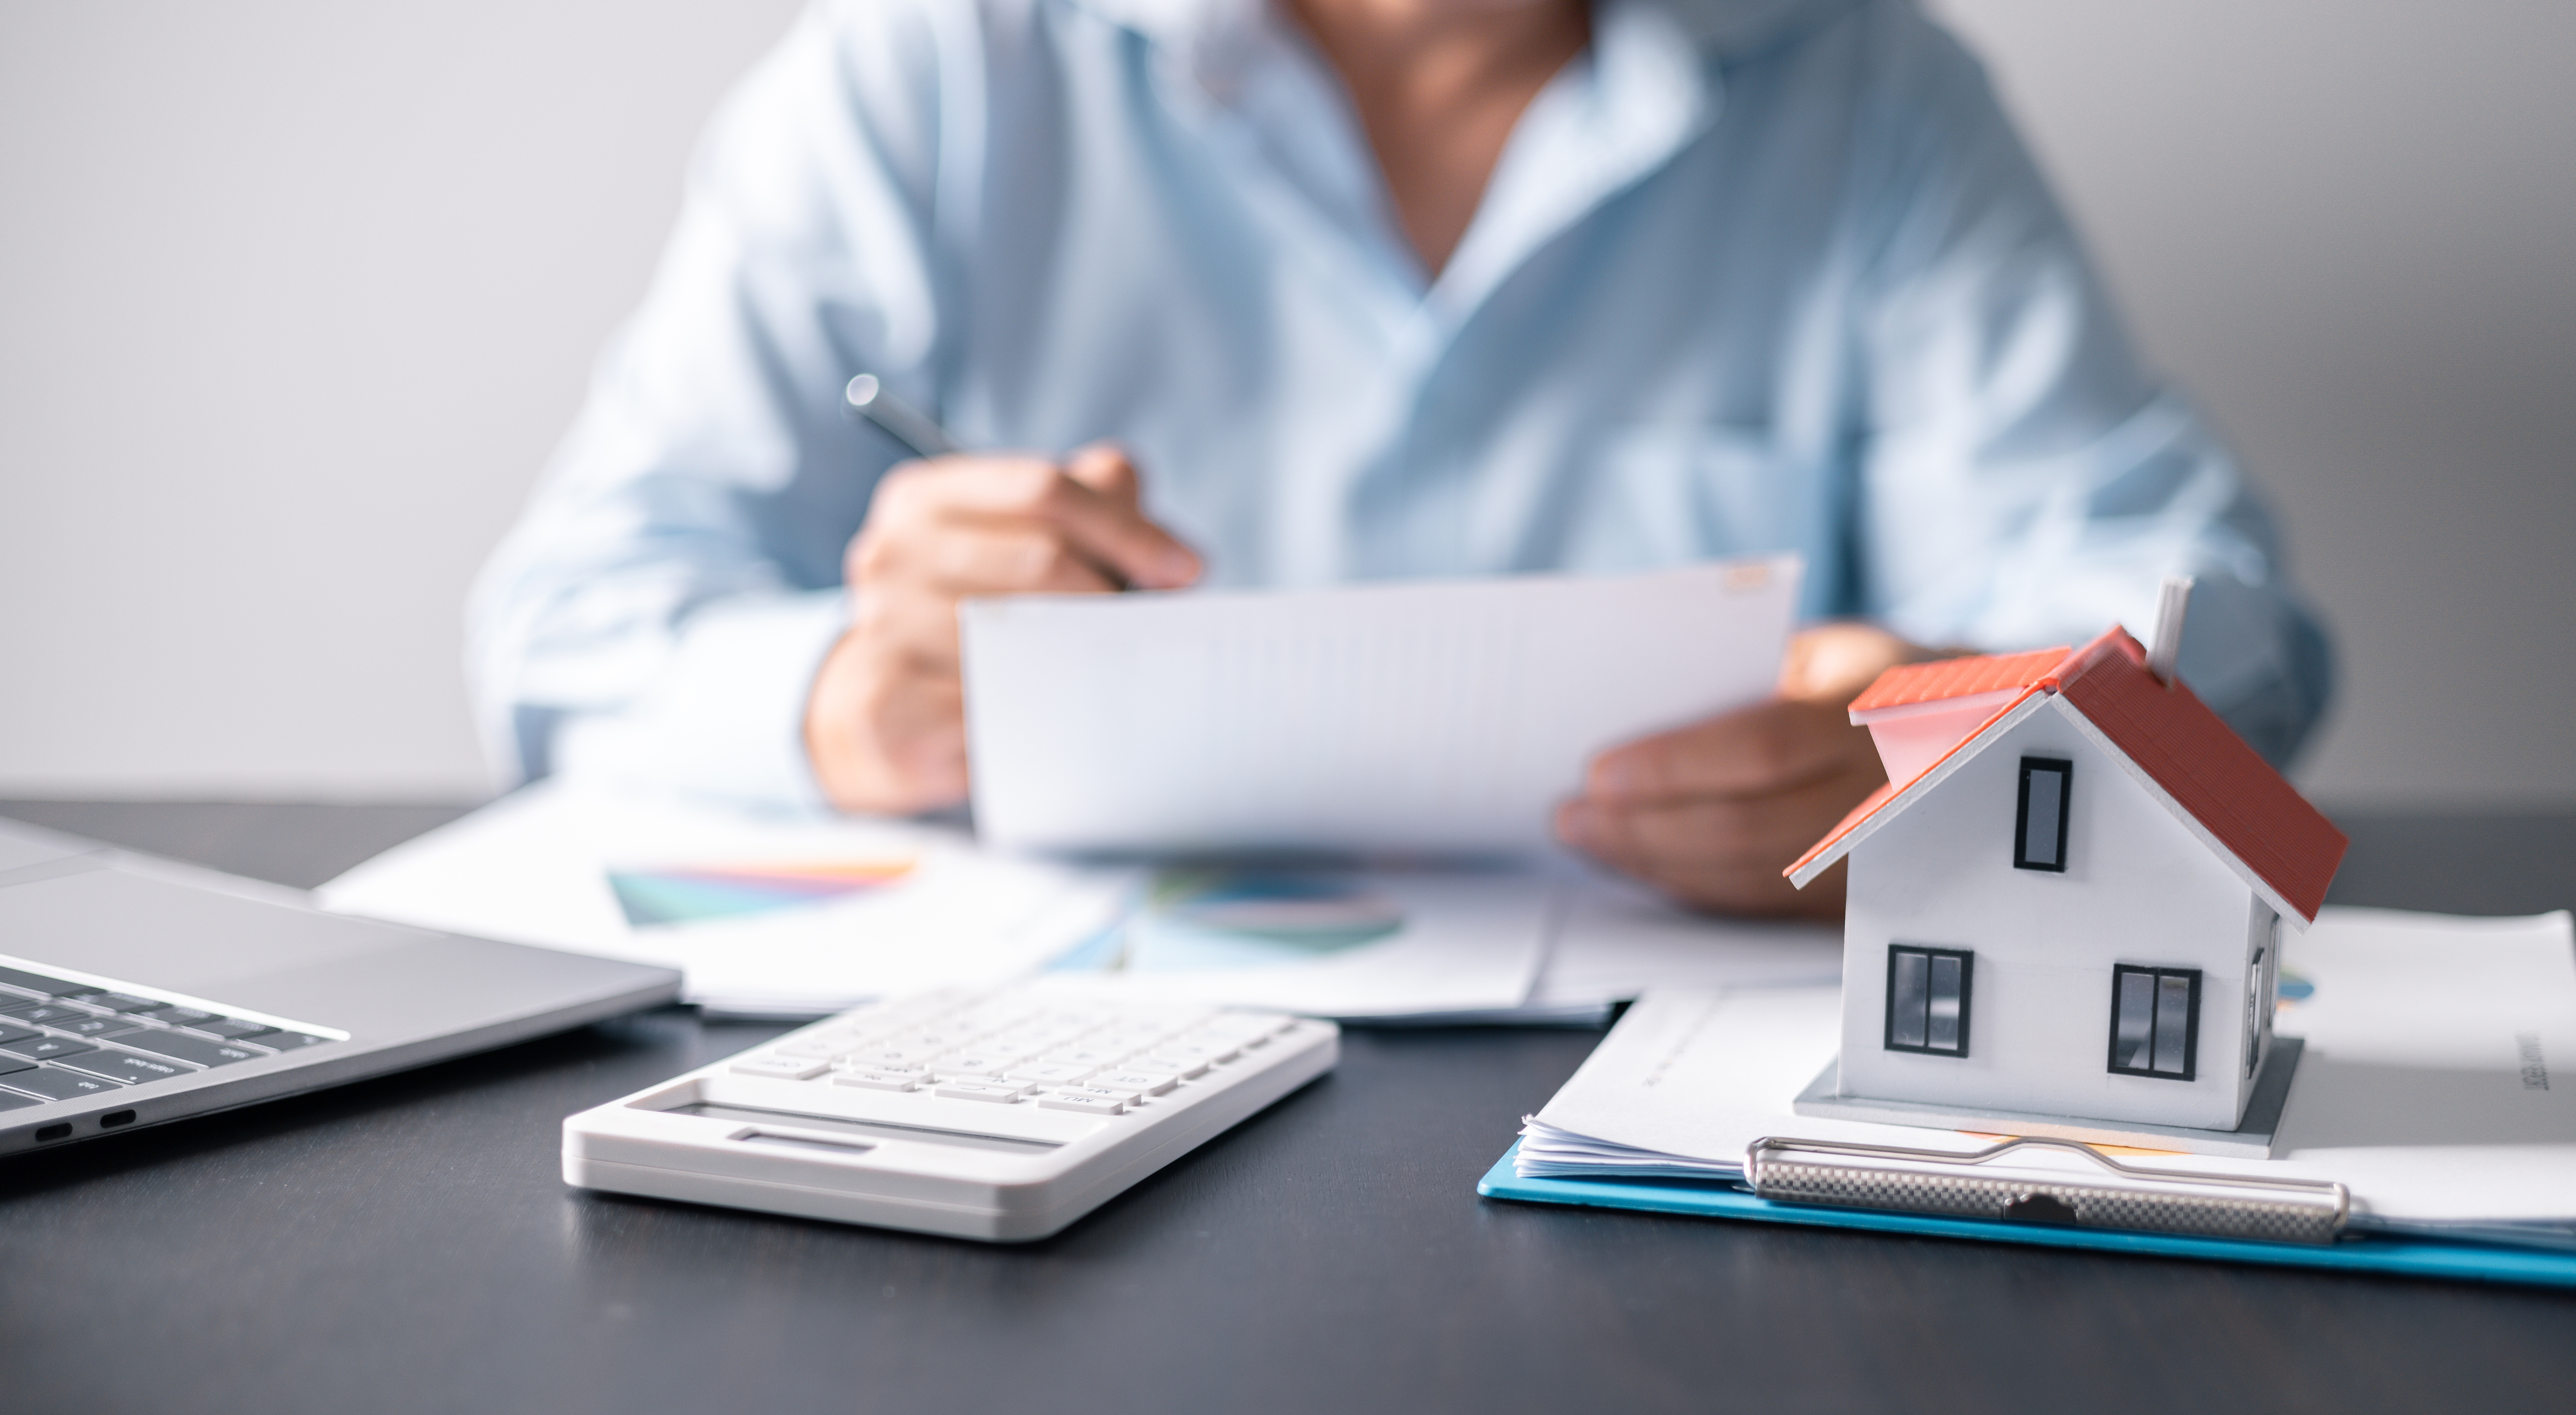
(405, 1245)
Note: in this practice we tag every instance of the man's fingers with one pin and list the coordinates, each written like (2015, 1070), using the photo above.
(1766, 748)
(1104, 467)
(1101, 525)
(1009, 559)
(1714, 852)
(1117, 535)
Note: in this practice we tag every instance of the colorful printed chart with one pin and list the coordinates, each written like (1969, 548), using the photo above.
(1205, 920)
(697, 893)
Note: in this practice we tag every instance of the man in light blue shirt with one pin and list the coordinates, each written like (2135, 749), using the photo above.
(1359, 289)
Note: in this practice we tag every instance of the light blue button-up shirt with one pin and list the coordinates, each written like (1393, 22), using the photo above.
(1751, 275)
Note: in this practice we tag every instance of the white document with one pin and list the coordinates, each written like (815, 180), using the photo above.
(1351, 943)
(1615, 939)
(780, 916)
(2435, 1084)
(1436, 717)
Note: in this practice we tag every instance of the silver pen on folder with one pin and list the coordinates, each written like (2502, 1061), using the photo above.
(868, 398)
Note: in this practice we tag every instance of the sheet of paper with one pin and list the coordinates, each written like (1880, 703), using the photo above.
(784, 916)
(1615, 939)
(2435, 1083)
(1353, 943)
(1436, 717)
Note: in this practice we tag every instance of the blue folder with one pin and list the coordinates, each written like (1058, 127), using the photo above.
(2474, 1262)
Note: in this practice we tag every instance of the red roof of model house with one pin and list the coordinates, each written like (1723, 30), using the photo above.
(2187, 757)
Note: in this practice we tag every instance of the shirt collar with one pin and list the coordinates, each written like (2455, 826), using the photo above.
(1721, 29)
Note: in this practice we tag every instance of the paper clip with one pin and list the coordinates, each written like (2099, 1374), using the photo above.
(1790, 1171)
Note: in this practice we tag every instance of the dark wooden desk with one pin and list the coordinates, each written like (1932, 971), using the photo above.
(406, 1245)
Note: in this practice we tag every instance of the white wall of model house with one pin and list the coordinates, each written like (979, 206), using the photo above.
(2140, 887)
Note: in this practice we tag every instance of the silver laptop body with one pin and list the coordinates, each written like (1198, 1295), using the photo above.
(135, 990)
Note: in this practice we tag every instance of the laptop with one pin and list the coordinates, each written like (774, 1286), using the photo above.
(135, 990)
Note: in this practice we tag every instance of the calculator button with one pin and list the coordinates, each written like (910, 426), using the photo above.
(1085, 1056)
(1001, 1091)
(1185, 1067)
(1088, 1105)
(1143, 1083)
(1215, 1051)
(972, 1063)
(1048, 1073)
(876, 1080)
(781, 1068)
(885, 1057)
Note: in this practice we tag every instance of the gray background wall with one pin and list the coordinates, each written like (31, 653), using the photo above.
(295, 298)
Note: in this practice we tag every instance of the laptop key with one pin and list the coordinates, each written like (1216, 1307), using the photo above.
(92, 1026)
(11, 1100)
(184, 1048)
(282, 1041)
(57, 1085)
(231, 1028)
(48, 1014)
(44, 1048)
(11, 1063)
(10, 1034)
(180, 1016)
(129, 1067)
(118, 1001)
(38, 982)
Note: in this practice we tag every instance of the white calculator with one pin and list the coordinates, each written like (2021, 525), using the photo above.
(996, 1115)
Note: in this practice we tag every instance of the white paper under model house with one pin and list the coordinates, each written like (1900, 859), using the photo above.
(2066, 904)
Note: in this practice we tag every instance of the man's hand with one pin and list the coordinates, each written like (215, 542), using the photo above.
(885, 724)
(1711, 813)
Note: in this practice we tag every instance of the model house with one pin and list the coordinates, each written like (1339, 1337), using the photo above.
(2068, 900)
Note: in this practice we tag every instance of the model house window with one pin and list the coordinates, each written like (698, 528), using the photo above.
(2254, 1010)
(2155, 1021)
(2039, 829)
(1927, 999)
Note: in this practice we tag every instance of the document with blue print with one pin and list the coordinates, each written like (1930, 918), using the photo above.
(1440, 718)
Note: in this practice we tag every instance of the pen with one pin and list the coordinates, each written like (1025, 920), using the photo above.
(915, 430)
(898, 420)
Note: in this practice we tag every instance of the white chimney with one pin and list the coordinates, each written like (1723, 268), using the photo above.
(2167, 646)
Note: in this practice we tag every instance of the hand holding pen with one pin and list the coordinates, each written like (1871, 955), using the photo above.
(885, 723)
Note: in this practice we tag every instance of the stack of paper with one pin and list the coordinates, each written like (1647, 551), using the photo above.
(802, 917)
(2425, 1085)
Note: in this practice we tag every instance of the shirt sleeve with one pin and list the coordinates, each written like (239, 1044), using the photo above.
(2023, 480)
(660, 609)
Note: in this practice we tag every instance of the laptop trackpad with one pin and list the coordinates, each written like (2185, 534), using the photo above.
(153, 933)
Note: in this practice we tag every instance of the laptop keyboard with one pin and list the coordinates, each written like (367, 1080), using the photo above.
(61, 1040)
